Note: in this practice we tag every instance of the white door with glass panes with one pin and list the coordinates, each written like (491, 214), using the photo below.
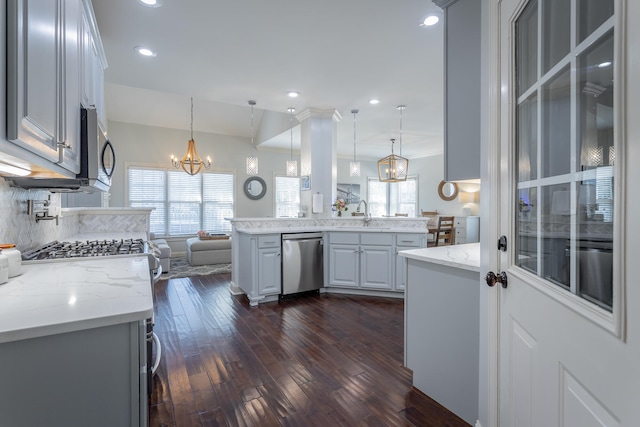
(568, 328)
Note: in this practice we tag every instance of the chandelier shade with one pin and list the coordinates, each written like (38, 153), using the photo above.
(354, 166)
(252, 161)
(252, 165)
(292, 165)
(191, 162)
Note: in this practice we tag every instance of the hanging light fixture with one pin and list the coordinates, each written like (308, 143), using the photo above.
(394, 168)
(354, 167)
(292, 165)
(252, 161)
(191, 162)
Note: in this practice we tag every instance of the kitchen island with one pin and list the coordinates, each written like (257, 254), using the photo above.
(360, 256)
(72, 342)
(442, 311)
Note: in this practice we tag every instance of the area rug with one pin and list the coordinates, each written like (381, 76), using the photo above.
(180, 268)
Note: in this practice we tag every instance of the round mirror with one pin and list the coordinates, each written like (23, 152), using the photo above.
(448, 190)
(255, 187)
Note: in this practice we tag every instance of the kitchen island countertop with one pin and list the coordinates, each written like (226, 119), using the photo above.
(52, 297)
(465, 256)
(362, 229)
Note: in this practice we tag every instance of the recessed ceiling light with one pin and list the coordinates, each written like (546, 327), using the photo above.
(374, 101)
(293, 94)
(604, 64)
(430, 20)
(151, 3)
(144, 51)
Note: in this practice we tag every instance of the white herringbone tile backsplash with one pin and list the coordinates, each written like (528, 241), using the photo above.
(88, 223)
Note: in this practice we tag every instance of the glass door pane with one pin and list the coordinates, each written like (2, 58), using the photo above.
(556, 32)
(592, 14)
(564, 146)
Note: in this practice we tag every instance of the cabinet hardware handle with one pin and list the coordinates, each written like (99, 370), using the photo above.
(64, 144)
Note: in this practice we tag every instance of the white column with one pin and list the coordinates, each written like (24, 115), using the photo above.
(319, 156)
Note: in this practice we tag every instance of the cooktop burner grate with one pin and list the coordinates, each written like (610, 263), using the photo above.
(89, 248)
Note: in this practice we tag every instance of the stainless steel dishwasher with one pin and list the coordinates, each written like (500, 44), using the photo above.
(302, 262)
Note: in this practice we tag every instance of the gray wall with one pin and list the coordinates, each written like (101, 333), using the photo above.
(153, 145)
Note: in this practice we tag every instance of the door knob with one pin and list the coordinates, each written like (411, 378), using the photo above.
(491, 278)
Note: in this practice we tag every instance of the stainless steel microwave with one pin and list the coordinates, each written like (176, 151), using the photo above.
(97, 162)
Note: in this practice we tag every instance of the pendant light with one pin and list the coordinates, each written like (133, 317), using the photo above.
(394, 168)
(252, 161)
(292, 165)
(354, 167)
(191, 162)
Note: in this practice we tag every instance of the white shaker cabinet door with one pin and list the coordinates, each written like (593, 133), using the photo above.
(33, 75)
(344, 262)
(269, 271)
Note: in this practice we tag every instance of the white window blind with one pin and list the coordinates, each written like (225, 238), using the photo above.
(287, 195)
(184, 204)
(185, 199)
(377, 197)
(217, 191)
(147, 189)
(389, 198)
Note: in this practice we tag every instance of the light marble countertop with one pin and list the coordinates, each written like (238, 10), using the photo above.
(52, 297)
(278, 230)
(465, 256)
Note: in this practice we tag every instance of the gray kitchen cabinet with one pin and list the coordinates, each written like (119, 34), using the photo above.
(261, 274)
(269, 271)
(361, 260)
(406, 242)
(466, 229)
(34, 75)
(376, 261)
(93, 65)
(66, 379)
(462, 89)
(44, 74)
(344, 265)
(344, 259)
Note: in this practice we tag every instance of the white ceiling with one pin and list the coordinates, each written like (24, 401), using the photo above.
(337, 53)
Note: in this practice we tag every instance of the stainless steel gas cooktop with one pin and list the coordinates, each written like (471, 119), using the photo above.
(88, 248)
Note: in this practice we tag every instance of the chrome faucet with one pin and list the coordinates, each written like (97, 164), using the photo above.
(367, 215)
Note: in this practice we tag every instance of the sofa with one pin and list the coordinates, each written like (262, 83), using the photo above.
(203, 251)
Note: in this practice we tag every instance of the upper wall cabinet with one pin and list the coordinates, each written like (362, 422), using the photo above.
(462, 89)
(93, 65)
(45, 74)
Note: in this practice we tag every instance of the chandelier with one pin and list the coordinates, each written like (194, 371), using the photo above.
(292, 165)
(252, 161)
(394, 168)
(354, 167)
(191, 162)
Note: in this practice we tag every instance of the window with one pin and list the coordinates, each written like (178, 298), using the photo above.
(389, 198)
(287, 196)
(183, 203)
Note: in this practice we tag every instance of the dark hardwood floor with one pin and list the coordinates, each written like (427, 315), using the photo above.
(320, 360)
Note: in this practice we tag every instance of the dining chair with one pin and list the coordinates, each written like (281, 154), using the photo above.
(429, 213)
(402, 214)
(444, 233)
